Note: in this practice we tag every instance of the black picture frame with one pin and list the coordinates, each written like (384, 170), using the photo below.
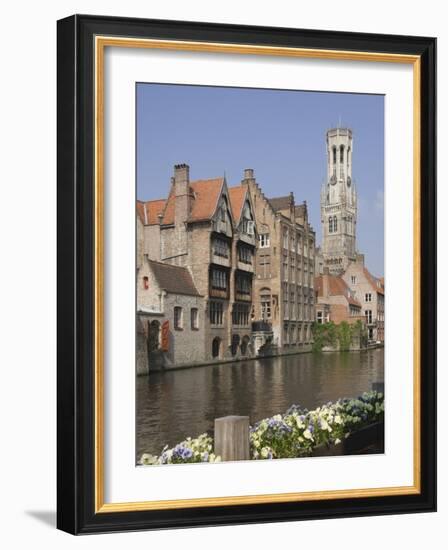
(76, 272)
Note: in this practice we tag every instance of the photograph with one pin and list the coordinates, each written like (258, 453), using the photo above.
(260, 291)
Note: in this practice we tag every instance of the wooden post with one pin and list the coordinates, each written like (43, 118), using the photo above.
(232, 437)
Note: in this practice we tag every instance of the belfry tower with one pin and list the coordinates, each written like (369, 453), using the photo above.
(338, 203)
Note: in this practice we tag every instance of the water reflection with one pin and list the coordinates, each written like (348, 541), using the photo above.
(173, 405)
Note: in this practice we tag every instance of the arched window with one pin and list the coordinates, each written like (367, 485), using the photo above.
(334, 155)
(330, 224)
(235, 344)
(216, 347)
(245, 345)
(341, 151)
(335, 224)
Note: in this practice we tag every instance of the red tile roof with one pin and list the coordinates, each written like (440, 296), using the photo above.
(206, 195)
(377, 284)
(237, 197)
(203, 201)
(173, 278)
(336, 287)
(149, 211)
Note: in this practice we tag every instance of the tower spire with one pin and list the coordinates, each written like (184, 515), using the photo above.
(338, 202)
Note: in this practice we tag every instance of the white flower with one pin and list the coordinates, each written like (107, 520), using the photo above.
(307, 434)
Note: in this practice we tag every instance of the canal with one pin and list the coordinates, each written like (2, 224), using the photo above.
(176, 404)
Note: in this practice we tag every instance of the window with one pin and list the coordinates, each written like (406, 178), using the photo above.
(219, 279)
(320, 317)
(265, 265)
(368, 297)
(353, 279)
(243, 284)
(335, 224)
(223, 213)
(285, 267)
(216, 313)
(145, 283)
(245, 254)
(240, 314)
(265, 301)
(248, 227)
(334, 155)
(264, 240)
(221, 248)
(178, 318)
(285, 239)
(293, 244)
(369, 316)
(341, 157)
(194, 318)
(330, 224)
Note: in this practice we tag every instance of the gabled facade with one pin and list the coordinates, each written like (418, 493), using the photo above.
(335, 301)
(369, 291)
(210, 230)
(284, 282)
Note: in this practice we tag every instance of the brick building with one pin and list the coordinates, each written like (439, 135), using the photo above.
(168, 301)
(284, 284)
(369, 291)
(335, 301)
(209, 230)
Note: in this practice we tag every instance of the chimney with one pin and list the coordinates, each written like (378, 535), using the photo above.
(248, 176)
(360, 259)
(291, 206)
(181, 182)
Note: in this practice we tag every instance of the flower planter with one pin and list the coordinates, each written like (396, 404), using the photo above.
(366, 440)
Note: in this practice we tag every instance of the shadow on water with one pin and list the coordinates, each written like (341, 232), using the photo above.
(174, 405)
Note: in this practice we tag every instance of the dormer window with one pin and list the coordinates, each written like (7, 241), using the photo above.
(248, 227)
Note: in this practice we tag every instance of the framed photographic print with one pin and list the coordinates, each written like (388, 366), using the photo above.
(246, 274)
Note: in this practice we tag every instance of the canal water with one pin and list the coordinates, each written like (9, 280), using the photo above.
(176, 404)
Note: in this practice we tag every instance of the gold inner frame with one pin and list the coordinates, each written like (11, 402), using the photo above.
(101, 42)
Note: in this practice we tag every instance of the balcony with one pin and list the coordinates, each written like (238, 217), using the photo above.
(261, 326)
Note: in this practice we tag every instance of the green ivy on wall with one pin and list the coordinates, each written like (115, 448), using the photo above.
(340, 337)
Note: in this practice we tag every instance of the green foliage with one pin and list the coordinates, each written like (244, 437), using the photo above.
(340, 336)
(324, 335)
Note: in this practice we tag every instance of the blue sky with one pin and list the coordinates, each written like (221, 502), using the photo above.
(278, 133)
